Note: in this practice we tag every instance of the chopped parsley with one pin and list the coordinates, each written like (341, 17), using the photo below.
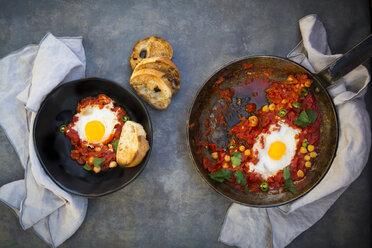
(305, 118)
(221, 175)
(236, 159)
(115, 144)
(288, 181)
(246, 189)
(98, 161)
(87, 167)
(240, 178)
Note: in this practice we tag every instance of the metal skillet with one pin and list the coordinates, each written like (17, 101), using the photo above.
(206, 99)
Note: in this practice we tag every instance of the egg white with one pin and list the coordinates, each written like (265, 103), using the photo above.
(267, 166)
(90, 113)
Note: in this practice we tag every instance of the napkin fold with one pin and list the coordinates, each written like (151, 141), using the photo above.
(277, 227)
(26, 77)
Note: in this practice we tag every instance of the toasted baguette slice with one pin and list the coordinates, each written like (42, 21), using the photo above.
(152, 47)
(133, 145)
(153, 87)
(166, 78)
(165, 65)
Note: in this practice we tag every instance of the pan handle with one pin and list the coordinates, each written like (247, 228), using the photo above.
(349, 61)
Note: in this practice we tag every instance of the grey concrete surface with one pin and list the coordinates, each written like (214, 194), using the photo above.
(169, 205)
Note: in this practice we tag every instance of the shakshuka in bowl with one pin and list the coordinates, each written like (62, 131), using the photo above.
(77, 135)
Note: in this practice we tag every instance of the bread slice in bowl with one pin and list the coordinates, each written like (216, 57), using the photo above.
(133, 145)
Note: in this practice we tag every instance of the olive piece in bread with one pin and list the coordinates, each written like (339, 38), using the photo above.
(165, 65)
(150, 47)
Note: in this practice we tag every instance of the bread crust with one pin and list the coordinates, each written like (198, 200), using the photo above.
(164, 65)
(142, 151)
(153, 46)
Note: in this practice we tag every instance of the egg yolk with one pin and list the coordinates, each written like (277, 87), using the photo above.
(94, 131)
(276, 150)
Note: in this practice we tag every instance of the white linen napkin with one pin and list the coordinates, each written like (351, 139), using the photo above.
(26, 77)
(277, 227)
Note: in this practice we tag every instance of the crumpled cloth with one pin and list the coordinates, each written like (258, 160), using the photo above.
(278, 226)
(26, 77)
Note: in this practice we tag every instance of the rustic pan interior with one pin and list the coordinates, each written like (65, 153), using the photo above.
(205, 99)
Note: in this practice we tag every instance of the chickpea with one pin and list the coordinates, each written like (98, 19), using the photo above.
(247, 152)
(300, 173)
(308, 164)
(307, 157)
(272, 107)
(310, 148)
(225, 165)
(113, 164)
(313, 154)
(307, 83)
(96, 169)
(214, 155)
(90, 160)
(253, 121)
(265, 108)
(303, 149)
(227, 158)
(97, 148)
(242, 148)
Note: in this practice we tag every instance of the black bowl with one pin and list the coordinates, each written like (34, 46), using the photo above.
(53, 148)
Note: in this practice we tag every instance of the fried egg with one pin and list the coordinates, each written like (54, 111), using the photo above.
(275, 149)
(96, 124)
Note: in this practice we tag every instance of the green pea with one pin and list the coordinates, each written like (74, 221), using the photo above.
(62, 128)
(296, 105)
(232, 145)
(264, 186)
(282, 113)
(305, 143)
(125, 118)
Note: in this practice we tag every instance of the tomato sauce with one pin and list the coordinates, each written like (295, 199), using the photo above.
(268, 101)
(84, 153)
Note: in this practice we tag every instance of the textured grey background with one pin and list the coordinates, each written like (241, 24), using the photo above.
(169, 205)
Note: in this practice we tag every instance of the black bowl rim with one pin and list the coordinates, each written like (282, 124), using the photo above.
(188, 135)
(74, 192)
